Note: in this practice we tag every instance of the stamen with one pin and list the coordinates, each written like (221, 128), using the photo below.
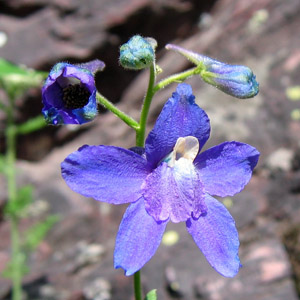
(75, 96)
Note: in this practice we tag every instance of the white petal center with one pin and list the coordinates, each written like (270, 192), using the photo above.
(186, 148)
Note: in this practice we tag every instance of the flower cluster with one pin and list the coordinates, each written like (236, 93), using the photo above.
(168, 180)
(69, 93)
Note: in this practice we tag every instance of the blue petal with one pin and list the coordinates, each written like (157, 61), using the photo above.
(83, 75)
(175, 194)
(138, 238)
(226, 169)
(216, 236)
(93, 66)
(138, 150)
(180, 117)
(88, 112)
(52, 95)
(59, 116)
(106, 173)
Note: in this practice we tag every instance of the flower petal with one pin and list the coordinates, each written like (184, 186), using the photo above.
(225, 169)
(174, 193)
(106, 173)
(216, 236)
(93, 66)
(138, 238)
(180, 117)
(83, 75)
(52, 95)
(88, 112)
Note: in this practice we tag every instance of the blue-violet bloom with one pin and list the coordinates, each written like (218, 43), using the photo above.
(235, 80)
(69, 93)
(168, 180)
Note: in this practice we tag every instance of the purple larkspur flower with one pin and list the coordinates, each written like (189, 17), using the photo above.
(168, 180)
(235, 80)
(69, 93)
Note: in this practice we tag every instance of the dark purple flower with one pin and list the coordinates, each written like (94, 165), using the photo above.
(168, 181)
(235, 80)
(69, 93)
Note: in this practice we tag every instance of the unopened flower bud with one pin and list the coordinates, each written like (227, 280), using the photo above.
(138, 53)
(235, 80)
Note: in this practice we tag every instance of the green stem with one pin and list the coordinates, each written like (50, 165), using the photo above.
(177, 78)
(140, 141)
(110, 106)
(140, 134)
(137, 285)
(31, 125)
(12, 196)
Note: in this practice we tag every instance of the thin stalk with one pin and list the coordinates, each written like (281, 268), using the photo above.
(110, 106)
(12, 196)
(179, 77)
(140, 136)
(31, 125)
(140, 141)
(137, 285)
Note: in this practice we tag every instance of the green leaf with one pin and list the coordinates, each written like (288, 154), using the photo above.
(151, 295)
(16, 267)
(15, 79)
(20, 204)
(35, 234)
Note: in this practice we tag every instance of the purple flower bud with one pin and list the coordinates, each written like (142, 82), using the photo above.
(69, 93)
(235, 80)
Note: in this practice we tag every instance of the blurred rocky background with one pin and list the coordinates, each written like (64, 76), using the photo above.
(75, 262)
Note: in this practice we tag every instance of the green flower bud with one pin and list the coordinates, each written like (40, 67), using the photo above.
(138, 53)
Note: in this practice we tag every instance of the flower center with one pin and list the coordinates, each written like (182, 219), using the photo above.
(75, 96)
(185, 147)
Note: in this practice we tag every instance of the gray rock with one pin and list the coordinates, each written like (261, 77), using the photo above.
(266, 272)
(281, 159)
(98, 289)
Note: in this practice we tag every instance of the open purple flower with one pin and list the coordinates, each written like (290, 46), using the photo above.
(69, 93)
(169, 180)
